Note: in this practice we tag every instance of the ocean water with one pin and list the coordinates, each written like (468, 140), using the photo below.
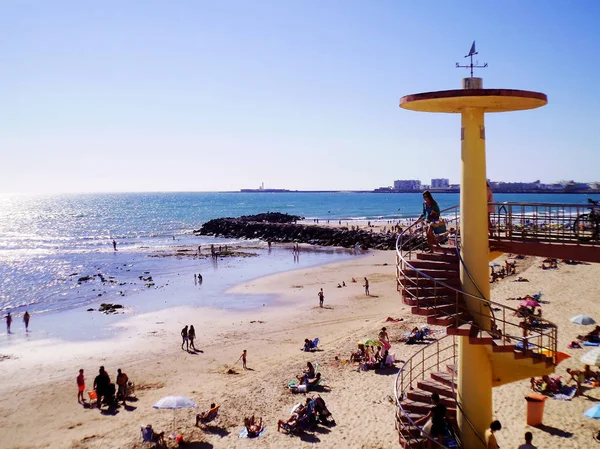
(48, 242)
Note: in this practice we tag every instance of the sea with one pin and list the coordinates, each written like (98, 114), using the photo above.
(48, 243)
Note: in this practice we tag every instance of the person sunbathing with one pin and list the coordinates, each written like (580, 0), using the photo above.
(252, 426)
(308, 373)
(209, 415)
(359, 354)
(307, 345)
(306, 384)
(293, 420)
(150, 436)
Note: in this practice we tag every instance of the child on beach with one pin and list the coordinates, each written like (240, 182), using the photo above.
(321, 298)
(80, 387)
(243, 357)
(366, 287)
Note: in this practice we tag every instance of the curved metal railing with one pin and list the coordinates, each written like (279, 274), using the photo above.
(432, 357)
(541, 343)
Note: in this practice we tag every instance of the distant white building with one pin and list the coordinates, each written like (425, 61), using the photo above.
(407, 184)
(440, 183)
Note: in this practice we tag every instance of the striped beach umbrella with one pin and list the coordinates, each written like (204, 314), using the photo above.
(591, 358)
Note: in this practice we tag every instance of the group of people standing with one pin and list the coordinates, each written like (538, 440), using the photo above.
(105, 390)
(188, 335)
(9, 320)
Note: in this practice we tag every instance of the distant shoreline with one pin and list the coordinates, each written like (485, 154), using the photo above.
(436, 191)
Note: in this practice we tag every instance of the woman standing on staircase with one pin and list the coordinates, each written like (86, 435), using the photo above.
(437, 417)
(436, 226)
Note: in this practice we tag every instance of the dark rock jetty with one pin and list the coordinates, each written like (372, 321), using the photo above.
(278, 227)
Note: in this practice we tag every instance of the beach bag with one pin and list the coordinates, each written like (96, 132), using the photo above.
(427, 426)
(438, 226)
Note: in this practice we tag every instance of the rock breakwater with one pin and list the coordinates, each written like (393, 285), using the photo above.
(286, 230)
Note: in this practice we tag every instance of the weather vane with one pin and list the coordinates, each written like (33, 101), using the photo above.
(472, 66)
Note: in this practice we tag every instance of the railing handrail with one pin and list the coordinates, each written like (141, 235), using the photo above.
(409, 363)
(519, 203)
(403, 263)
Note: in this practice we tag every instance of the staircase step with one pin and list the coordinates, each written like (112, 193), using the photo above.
(452, 258)
(449, 320)
(422, 408)
(414, 416)
(451, 368)
(422, 290)
(480, 337)
(462, 330)
(433, 386)
(500, 345)
(443, 378)
(424, 301)
(426, 309)
(437, 274)
(426, 282)
(435, 265)
(425, 397)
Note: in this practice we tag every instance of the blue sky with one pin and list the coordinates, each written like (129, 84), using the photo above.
(222, 95)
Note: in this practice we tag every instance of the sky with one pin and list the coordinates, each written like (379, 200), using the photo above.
(222, 95)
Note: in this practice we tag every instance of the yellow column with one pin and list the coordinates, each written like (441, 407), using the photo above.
(474, 370)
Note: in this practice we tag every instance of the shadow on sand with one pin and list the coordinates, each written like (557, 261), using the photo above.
(554, 431)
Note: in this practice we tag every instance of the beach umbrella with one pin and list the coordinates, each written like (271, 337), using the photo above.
(583, 319)
(529, 303)
(371, 342)
(174, 402)
(591, 358)
(593, 412)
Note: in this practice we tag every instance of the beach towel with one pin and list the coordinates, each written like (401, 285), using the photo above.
(590, 343)
(519, 345)
(244, 433)
(566, 393)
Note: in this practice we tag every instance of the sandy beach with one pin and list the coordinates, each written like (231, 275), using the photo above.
(38, 406)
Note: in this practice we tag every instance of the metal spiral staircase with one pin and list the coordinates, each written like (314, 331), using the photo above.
(430, 283)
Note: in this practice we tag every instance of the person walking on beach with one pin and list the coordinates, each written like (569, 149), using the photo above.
(367, 287)
(321, 298)
(122, 380)
(26, 320)
(8, 322)
(192, 336)
(115, 245)
(184, 338)
(199, 279)
(80, 387)
(195, 282)
(528, 439)
(199, 249)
